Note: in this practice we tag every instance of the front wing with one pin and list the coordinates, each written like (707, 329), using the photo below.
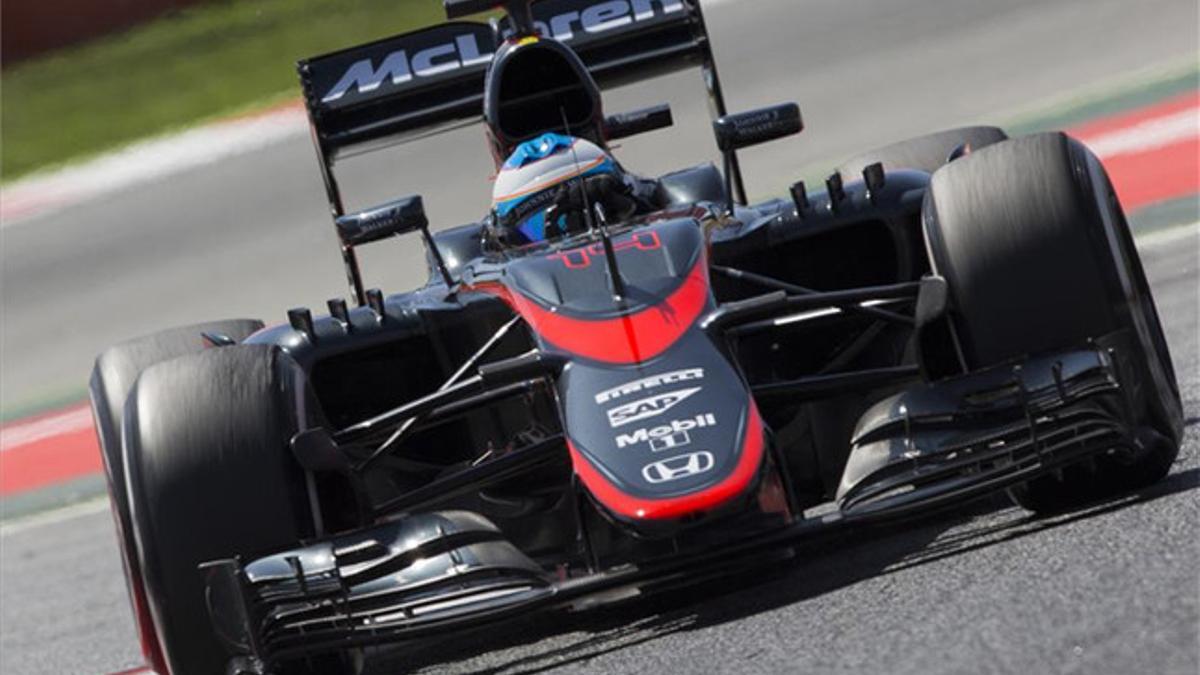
(929, 447)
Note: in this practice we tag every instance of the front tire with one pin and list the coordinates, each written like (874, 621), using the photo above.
(210, 476)
(115, 372)
(1038, 257)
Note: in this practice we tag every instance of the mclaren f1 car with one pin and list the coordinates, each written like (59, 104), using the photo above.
(613, 382)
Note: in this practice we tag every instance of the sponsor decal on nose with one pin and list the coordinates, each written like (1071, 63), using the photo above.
(676, 468)
(671, 441)
(651, 382)
(645, 434)
(651, 406)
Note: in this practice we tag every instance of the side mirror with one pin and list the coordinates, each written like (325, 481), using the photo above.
(743, 130)
(624, 125)
(391, 219)
(394, 218)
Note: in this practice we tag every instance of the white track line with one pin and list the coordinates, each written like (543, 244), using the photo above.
(20, 433)
(159, 158)
(1148, 135)
(147, 161)
(55, 517)
(1167, 235)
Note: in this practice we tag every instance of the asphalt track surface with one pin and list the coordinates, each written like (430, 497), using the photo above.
(251, 237)
(1108, 589)
(1112, 589)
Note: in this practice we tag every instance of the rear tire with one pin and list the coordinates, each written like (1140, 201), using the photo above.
(925, 153)
(113, 377)
(1038, 257)
(210, 476)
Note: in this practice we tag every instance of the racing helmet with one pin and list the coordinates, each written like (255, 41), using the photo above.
(531, 178)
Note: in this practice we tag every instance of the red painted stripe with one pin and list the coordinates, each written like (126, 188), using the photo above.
(1125, 120)
(1164, 167)
(636, 508)
(1170, 172)
(18, 431)
(50, 457)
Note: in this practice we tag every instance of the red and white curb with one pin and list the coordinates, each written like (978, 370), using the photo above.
(47, 450)
(1152, 153)
(44, 427)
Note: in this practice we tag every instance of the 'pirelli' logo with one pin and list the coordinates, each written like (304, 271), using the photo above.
(651, 382)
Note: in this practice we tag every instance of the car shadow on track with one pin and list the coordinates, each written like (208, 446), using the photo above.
(814, 571)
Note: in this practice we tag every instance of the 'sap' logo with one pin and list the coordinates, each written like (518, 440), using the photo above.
(679, 467)
(651, 406)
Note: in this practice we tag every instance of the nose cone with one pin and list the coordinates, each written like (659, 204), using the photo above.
(666, 440)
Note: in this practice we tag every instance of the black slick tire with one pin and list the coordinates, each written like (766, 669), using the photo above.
(1038, 257)
(113, 376)
(210, 476)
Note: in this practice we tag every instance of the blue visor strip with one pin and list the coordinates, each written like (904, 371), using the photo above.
(539, 148)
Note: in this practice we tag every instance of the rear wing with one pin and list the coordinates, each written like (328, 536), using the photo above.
(422, 82)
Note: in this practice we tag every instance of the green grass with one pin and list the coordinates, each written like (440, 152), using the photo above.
(196, 64)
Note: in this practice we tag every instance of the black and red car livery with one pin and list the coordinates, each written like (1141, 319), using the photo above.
(585, 419)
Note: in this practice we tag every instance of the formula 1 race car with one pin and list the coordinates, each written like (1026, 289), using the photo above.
(612, 384)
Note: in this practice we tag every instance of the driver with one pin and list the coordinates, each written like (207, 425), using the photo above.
(540, 190)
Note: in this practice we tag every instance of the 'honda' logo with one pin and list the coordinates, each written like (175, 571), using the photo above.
(675, 468)
(651, 406)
